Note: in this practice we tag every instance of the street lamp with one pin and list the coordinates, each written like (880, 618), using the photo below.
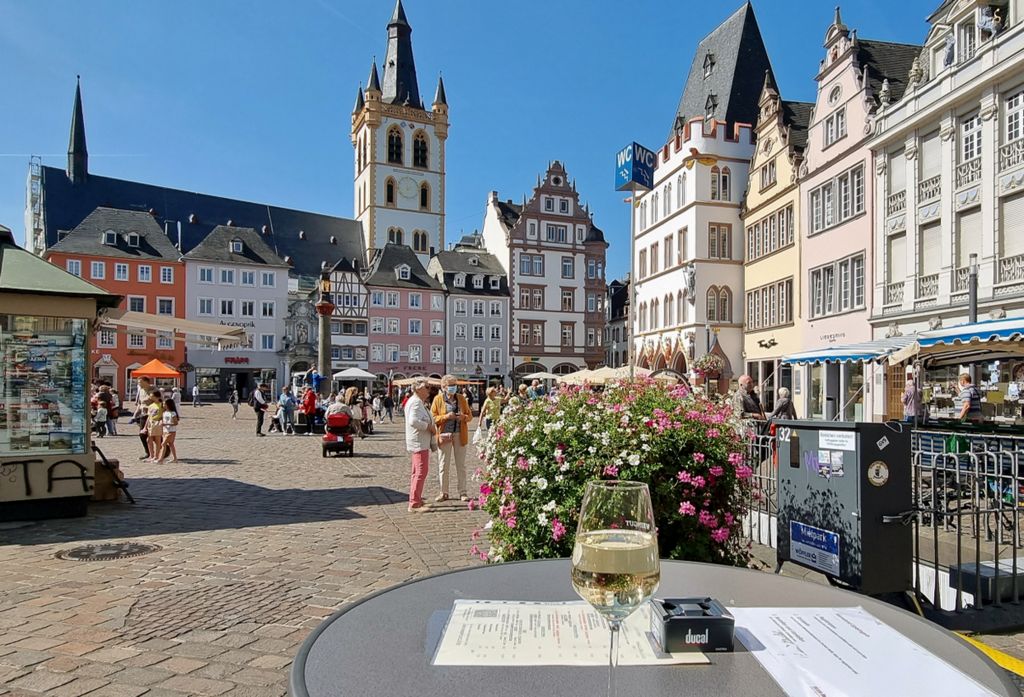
(324, 309)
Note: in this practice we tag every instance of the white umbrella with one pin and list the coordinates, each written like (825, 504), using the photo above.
(542, 376)
(577, 378)
(354, 374)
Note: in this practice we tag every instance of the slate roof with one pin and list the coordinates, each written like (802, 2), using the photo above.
(618, 292)
(452, 263)
(399, 85)
(217, 247)
(382, 269)
(797, 115)
(740, 62)
(887, 60)
(65, 205)
(87, 236)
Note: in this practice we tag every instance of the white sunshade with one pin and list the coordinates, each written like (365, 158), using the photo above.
(354, 374)
(181, 329)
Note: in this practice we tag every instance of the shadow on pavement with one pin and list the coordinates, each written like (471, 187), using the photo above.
(183, 505)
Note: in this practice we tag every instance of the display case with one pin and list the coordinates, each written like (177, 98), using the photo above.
(42, 385)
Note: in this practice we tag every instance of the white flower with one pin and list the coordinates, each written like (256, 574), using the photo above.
(550, 506)
(645, 447)
(564, 467)
(490, 524)
(559, 477)
(634, 459)
(540, 482)
(542, 518)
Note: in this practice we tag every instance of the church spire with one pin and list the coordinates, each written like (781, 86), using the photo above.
(78, 153)
(440, 99)
(400, 85)
(373, 82)
(359, 101)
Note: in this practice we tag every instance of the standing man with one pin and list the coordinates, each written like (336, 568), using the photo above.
(745, 402)
(195, 395)
(389, 407)
(451, 416)
(970, 400)
(286, 402)
(259, 405)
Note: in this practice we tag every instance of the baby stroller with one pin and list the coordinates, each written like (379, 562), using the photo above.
(338, 432)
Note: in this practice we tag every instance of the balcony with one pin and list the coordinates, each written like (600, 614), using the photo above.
(1011, 269)
(928, 286)
(968, 172)
(961, 279)
(896, 203)
(929, 189)
(1011, 155)
(894, 293)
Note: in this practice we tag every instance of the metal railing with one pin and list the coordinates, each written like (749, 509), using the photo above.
(1011, 269)
(1011, 154)
(896, 203)
(894, 293)
(929, 189)
(927, 286)
(961, 279)
(968, 172)
(762, 498)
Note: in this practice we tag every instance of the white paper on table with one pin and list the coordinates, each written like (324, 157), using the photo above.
(844, 652)
(515, 633)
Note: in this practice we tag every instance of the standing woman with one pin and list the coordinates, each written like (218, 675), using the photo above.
(115, 411)
(155, 425)
(491, 409)
(233, 401)
(451, 416)
(170, 423)
(419, 429)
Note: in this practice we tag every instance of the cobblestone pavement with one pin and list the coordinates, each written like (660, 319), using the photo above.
(260, 539)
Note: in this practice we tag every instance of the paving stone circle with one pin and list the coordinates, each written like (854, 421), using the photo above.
(108, 551)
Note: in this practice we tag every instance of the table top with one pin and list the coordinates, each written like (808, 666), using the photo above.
(383, 645)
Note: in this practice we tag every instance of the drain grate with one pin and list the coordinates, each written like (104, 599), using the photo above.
(108, 551)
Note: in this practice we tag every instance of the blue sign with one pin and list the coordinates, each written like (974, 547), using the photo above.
(814, 547)
(634, 168)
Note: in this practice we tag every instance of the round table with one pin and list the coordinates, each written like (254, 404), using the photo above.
(383, 645)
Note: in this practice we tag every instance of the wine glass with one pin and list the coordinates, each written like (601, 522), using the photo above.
(615, 564)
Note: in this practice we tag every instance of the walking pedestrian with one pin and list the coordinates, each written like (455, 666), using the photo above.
(389, 407)
(233, 401)
(490, 410)
(259, 405)
(451, 416)
(378, 409)
(419, 431)
(911, 401)
(169, 421)
(784, 408)
(970, 400)
(176, 396)
(195, 395)
(286, 403)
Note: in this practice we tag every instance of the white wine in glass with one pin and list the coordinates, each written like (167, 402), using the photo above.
(615, 565)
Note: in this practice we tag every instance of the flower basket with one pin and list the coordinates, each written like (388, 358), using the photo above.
(542, 453)
(708, 364)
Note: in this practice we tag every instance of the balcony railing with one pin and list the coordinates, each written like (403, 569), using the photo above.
(961, 278)
(894, 293)
(1011, 269)
(929, 189)
(928, 286)
(896, 203)
(1011, 154)
(968, 172)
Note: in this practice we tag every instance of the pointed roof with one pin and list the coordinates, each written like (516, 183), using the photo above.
(359, 101)
(78, 152)
(739, 62)
(373, 82)
(382, 269)
(399, 84)
(439, 96)
(217, 247)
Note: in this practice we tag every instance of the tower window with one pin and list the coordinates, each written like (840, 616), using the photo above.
(389, 191)
(710, 106)
(396, 236)
(395, 145)
(419, 150)
(424, 197)
(419, 241)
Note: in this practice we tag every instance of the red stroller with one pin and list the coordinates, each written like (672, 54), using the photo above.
(338, 435)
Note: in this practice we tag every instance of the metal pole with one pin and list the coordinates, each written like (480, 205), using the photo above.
(632, 281)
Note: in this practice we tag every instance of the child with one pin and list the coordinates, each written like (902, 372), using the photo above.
(155, 425)
(169, 420)
(274, 414)
(99, 420)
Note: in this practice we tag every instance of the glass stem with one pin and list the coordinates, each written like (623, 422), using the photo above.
(613, 654)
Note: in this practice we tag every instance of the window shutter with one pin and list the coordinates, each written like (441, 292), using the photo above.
(1011, 221)
(897, 268)
(930, 249)
(969, 240)
(898, 172)
(931, 156)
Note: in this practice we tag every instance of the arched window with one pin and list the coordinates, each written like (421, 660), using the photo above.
(711, 308)
(716, 177)
(654, 313)
(725, 184)
(396, 236)
(724, 305)
(420, 240)
(389, 191)
(365, 161)
(424, 196)
(642, 317)
(395, 145)
(643, 215)
(654, 208)
(670, 310)
(668, 198)
(359, 155)
(680, 309)
(419, 150)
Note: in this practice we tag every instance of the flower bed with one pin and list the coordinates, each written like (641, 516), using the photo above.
(541, 454)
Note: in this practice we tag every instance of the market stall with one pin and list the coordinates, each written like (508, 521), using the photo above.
(46, 317)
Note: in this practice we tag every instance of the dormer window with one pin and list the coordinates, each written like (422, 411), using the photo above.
(236, 246)
(474, 261)
(402, 272)
(709, 65)
(133, 239)
(495, 282)
(478, 281)
(460, 280)
(710, 106)
(110, 238)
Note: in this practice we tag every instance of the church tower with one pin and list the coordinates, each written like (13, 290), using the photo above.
(399, 151)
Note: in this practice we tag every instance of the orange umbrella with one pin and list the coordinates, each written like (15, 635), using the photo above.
(155, 369)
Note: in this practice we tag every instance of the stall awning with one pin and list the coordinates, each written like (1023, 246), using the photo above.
(156, 369)
(966, 343)
(187, 329)
(864, 351)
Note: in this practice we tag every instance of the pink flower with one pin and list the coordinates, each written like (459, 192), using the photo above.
(713, 433)
(744, 472)
(729, 519)
(473, 503)
(683, 476)
(697, 482)
(476, 535)
(611, 471)
(720, 534)
(698, 457)
(522, 463)
(483, 556)
(735, 459)
(557, 529)
(474, 551)
(707, 519)
(511, 521)
(486, 489)
(687, 508)
(716, 471)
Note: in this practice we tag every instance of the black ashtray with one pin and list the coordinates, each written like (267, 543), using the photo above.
(691, 624)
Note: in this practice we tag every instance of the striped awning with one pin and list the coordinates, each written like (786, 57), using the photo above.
(966, 343)
(866, 351)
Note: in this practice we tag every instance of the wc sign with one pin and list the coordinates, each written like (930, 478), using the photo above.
(634, 168)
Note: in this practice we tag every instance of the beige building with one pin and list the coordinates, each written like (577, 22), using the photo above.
(771, 220)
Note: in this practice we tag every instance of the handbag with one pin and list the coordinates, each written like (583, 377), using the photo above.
(433, 443)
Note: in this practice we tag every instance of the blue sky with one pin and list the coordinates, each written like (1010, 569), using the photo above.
(252, 99)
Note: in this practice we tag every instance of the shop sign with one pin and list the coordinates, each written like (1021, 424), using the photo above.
(237, 360)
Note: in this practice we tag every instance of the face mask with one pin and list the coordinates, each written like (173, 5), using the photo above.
(452, 389)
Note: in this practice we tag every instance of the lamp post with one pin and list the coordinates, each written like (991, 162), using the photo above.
(324, 309)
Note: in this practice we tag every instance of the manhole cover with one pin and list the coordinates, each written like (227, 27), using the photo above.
(108, 552)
